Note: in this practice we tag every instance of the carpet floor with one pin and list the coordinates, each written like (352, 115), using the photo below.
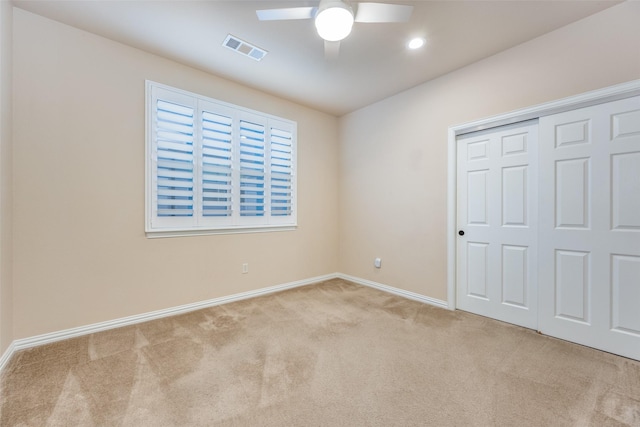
(330, 354)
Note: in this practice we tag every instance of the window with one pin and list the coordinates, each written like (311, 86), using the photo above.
(215, 167)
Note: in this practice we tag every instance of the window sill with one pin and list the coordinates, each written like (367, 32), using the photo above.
(156, 234)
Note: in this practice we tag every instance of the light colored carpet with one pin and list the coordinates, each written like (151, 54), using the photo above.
(331, 354)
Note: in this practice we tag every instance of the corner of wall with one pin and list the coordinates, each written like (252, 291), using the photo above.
(6, 172)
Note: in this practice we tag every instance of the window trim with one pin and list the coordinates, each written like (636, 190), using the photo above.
(250, 225)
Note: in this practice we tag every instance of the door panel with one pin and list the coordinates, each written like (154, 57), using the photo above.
(572, 193)
(514, 144)
(497, 176)
(625, 203)
(572, 133)
(625, 124)
(515, 275)
(589, 226)
(477, 261)
(572, 285)
(625, 282)
(478, 192)
(478, 150)
(514, 200)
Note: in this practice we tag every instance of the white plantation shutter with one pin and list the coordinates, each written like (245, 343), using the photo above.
(214, 166)
(252, 169)
(281, 167)
(171, 162)
(174, 136)
(216, 161)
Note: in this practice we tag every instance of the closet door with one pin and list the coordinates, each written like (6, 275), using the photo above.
(589, 229)
(497, 218)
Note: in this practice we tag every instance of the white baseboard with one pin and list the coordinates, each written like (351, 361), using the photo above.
(396, 291)
(24, 343)
(7, 355)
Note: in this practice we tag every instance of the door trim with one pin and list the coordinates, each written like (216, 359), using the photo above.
(587, 99)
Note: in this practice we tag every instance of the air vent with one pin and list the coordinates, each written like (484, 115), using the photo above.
(244, 48)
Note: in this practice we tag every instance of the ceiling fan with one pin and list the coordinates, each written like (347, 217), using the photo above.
(334, 18)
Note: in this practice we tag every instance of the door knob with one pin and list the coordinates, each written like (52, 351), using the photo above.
(461, 232)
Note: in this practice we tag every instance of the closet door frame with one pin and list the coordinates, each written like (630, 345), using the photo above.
(611, 93)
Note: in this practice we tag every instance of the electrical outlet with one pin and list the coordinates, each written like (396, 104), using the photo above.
(377, 263)
(245, 268)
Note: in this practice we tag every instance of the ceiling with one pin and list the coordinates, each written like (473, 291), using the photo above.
(373, 62)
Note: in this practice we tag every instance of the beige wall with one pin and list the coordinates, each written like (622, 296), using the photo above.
(81, 255)
(393, 154)
(6, 288)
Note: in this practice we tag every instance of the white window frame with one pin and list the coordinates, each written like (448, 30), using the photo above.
(199, 224)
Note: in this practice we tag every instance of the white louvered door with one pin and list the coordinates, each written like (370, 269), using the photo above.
(590, 226)
(497, 212)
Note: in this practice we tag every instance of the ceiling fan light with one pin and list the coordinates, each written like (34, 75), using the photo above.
(334, 23)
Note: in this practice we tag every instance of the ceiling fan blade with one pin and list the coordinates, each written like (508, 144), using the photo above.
(383, 12)
(286, 13)
(331, 50)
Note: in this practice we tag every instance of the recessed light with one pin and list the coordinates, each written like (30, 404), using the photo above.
(416, 43)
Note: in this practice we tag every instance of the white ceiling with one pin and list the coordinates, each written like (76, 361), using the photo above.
(373, 62)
